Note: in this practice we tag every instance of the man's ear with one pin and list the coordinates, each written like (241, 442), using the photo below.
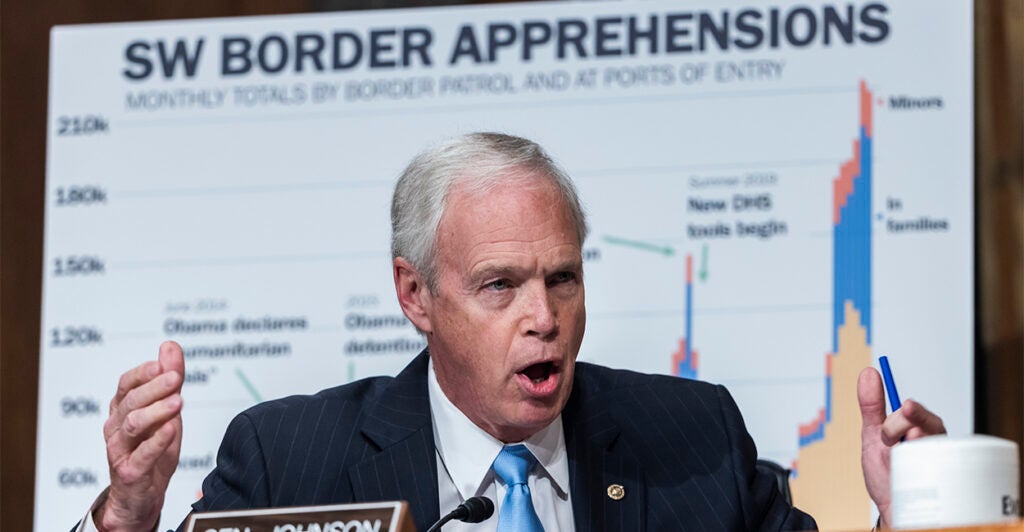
(413, 294)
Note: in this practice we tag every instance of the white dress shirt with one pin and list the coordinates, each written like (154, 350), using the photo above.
(464, 456)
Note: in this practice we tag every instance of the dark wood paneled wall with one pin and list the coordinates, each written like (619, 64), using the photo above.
(24, 40)
(999, 188)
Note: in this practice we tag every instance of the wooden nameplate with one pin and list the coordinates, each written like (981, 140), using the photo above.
(361, 517)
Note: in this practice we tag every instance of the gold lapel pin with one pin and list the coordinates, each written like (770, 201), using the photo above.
(616, 492)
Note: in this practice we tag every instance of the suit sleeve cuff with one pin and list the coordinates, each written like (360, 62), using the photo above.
(87, 524)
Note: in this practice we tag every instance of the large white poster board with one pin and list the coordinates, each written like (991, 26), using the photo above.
(777, 194)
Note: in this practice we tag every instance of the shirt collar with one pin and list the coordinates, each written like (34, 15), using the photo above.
(468, 451)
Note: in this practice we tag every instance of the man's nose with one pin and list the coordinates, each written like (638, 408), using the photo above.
(540, 318)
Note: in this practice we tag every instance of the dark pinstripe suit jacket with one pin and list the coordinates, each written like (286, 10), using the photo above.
(679, 448)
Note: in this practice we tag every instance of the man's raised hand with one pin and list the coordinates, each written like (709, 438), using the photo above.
(880, 432)
(143, 435)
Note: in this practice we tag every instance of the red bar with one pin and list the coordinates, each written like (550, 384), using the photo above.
(842, 186)
(865, 107)
(813, 426)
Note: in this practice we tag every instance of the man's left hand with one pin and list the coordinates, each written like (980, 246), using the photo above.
(880, 432)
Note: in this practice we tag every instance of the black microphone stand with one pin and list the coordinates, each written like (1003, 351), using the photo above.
(474, 510)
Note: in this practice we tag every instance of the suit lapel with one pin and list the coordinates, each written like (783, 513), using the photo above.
(400, 427)
(608, 489)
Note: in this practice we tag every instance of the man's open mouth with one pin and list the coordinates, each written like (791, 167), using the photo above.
(538, 373)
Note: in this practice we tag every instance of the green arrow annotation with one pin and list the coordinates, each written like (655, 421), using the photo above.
(248, 385)
(703, 263)
(636, 244)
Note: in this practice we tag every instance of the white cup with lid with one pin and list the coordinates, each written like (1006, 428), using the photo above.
(944, 481)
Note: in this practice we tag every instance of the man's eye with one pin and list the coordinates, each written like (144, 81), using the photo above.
(563, 277)
(500, 284)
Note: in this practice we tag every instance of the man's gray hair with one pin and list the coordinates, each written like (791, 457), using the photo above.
(479, 161)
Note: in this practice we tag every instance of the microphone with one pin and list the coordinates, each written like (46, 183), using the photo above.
(474, 510)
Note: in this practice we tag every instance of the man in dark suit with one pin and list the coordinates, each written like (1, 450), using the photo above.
(487, 236)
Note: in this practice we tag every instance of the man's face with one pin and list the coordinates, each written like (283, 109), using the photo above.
(508, 317)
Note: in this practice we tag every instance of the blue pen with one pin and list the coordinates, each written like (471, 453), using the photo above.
(890, 385)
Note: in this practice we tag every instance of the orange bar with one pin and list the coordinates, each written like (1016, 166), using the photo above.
(689, 269)
(678, 356)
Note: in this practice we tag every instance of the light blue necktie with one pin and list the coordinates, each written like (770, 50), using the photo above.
(513, 465)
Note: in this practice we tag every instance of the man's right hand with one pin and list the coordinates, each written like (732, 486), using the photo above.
(143, 435)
